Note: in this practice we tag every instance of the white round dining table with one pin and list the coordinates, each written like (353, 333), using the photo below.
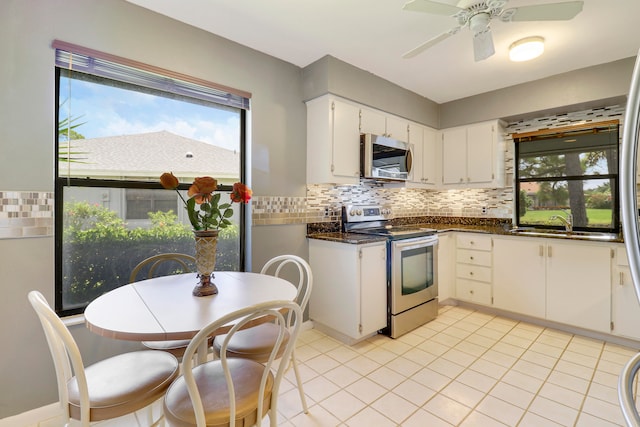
(163, 308)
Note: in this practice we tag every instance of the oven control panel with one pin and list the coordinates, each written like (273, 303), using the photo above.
(359, 213)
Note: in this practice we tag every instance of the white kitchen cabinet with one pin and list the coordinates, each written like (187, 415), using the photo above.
(578, 284)
(474, 269)
(349, 296)
(446, 266)
(560, 280)
(380, 123)
(519, 283)
(473, 156)
(625, 314)
(423, 142)
(333, 141)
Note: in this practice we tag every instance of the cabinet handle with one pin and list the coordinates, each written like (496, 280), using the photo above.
(541, 250)
(461, 179)
(471, 273)
(471, 258)
(471, 242)
(549, 253)
(471, 292)
(621, 278)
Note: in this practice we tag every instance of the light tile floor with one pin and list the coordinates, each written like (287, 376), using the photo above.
(466, 368)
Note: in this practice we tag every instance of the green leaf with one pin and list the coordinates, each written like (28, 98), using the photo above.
(193, 215)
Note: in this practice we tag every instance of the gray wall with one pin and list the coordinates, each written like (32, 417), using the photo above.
(597, 86)
(329, 74)
(27, 28)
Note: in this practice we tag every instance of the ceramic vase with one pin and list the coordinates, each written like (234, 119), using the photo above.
(206, 243)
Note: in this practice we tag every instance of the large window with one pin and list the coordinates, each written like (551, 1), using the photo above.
(119, 128)
(569, 175)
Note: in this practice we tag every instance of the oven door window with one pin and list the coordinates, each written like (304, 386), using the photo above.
(417, 269)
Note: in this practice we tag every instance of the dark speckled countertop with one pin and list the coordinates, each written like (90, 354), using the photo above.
(332, 232)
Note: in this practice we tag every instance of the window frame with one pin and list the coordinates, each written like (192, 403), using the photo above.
(567, 131)
(62, 182)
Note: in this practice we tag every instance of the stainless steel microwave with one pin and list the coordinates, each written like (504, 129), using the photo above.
(384, 158)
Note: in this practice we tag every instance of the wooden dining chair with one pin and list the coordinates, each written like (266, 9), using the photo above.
(108, 389)
(157, 265)
(255, 343)
(229, 391)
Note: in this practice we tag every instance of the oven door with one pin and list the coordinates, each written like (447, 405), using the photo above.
(413, 272)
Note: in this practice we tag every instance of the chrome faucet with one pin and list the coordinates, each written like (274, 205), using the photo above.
(567, 221)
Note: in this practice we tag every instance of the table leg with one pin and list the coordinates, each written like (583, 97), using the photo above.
(202, 352)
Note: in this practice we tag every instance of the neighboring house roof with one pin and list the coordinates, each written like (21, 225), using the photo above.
(530, 187)
(148, 155)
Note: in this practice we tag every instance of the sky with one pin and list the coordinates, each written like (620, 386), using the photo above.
(108, 111)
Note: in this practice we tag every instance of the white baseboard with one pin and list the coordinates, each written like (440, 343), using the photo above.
(32, 418)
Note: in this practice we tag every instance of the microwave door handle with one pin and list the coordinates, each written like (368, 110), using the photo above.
(409, 161)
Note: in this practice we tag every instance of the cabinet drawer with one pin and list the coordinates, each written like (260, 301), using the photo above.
(473, 291)
(473, 272)
(468, 256)
(473, 241)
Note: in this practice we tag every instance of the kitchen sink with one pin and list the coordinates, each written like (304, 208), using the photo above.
(585, 235)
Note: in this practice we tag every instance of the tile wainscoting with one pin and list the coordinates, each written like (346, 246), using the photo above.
(26, 214)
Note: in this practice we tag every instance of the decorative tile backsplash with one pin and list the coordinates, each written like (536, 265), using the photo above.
(26, 214)
(30, 213)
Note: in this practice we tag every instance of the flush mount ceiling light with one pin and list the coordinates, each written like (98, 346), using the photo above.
(526, 49)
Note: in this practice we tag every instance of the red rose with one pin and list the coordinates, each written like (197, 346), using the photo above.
(169, 181)
(202, 188)
(241, 193)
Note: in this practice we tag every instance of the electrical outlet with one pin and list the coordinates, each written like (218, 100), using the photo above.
(327, 212)
(484, 210)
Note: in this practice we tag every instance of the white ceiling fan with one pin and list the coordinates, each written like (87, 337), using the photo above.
(477, 14)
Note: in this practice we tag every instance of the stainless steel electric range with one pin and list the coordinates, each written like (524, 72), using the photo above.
(412, 279)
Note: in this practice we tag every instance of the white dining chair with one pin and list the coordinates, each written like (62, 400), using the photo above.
(107, 389)
(256, 343)
(149, 268)
(229, 391)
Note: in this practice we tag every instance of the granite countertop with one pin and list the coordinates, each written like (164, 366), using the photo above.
(331, 231)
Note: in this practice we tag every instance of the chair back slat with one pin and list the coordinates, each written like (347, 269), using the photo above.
(66, 355)
(182, 263)
(273, 311)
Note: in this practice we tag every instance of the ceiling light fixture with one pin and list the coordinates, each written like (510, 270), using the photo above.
(526, 49)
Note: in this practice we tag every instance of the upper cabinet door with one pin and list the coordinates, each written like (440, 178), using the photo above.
(430, 159)
(379, 123)
(397, 128)
(454, 156)
(346, 140)
(333, 141)
(373, 122)
(480, 153)
(473, 156)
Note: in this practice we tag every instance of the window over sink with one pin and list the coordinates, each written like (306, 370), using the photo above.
(567, 178)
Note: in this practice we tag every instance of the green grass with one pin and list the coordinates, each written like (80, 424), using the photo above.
(597, 217)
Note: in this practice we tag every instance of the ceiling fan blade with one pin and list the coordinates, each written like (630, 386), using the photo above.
(426, 45)
(483, 45)
(544, 12)
(428, 6)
